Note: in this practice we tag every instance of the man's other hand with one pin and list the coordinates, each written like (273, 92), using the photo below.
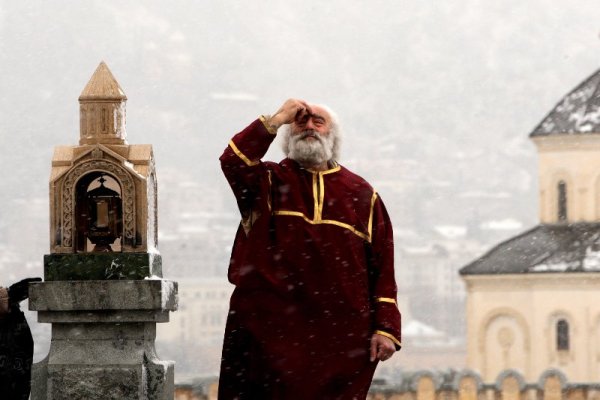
(382, 348)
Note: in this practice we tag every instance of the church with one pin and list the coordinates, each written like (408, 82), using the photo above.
(533, 301)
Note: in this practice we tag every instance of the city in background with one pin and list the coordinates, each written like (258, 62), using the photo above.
(437, 101)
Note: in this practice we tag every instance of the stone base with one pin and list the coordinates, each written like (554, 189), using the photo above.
(103, 335)
(101, 266)
(149, 379)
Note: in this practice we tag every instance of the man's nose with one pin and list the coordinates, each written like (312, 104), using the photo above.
(310, 124)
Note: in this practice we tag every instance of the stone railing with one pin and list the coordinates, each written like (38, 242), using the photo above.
(468, 385)
(445, 385)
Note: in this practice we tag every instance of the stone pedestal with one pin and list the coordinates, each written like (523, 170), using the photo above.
(103, 334)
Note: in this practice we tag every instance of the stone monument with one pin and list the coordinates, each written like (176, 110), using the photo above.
(103, 290)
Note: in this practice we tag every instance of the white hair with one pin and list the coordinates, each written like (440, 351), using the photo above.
(335, 132)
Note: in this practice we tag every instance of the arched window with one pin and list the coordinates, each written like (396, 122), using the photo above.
(562, 335)
(99, 213)
(562, 201)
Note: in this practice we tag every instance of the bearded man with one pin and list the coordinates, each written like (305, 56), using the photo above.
(314, 306)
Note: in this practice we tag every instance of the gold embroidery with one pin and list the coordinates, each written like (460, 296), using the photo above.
(315, 197)
(265, 120)
(346, 226)
(324, 221)
(387, 335)
(293, 213)
(385, 300)
(321, 198)
(336, 168)
(371, 214)
(242, 155)
(269, 192)
(319, 191)
(318, 184)
(332, 170)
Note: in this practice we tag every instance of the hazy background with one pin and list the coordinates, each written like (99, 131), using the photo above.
(437, 99)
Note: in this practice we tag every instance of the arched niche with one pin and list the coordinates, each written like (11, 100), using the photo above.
(425, 388)
(504, 342)
(98, 213)
(467, 384)
(424, 377)
(553, 383)
(510, 384)
(70, 186)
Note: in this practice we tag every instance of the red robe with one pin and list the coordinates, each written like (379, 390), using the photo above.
(313, 266)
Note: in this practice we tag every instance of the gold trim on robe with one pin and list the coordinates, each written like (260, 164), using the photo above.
(318, 184)
(241, 155)
(324, 221)
(385, 300)
(373, 199)
(389, 336)
(265, 120)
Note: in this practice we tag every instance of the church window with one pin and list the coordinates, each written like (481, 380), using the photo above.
(562, 335)
(562, 201)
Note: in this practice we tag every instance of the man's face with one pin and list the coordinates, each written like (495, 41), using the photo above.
(318, 121)
(310, 141)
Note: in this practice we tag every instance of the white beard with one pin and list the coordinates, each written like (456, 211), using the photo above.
(310, 152)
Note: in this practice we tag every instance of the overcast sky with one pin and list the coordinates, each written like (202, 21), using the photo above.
(430, 81)
(407, 67)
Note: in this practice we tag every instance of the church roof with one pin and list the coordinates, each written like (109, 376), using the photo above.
(578, 112)
(545, 248)
(102, 86)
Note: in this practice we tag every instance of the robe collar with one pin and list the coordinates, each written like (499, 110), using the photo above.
(334, 166)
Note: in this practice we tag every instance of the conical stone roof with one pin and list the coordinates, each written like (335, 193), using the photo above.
(102, 86)
(577, 113)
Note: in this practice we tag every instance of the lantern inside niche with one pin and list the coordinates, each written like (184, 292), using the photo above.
(99, 211)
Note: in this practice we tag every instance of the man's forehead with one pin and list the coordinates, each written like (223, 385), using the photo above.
(320, 112)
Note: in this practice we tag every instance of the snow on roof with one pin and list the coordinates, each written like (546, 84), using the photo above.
(578, 112)
(545, 248)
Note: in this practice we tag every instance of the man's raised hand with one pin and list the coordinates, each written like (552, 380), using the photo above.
(292, 110)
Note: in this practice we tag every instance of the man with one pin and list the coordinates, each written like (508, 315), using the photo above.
(16, 343)
(314, 306)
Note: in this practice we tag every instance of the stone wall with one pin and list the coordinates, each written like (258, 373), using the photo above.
(445, 385)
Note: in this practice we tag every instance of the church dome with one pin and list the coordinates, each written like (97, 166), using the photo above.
(576, 113)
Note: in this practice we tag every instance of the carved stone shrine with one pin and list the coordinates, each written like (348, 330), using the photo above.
(103, 290)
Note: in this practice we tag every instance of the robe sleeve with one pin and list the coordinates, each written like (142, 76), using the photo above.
(246, 173)
(384, 289)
